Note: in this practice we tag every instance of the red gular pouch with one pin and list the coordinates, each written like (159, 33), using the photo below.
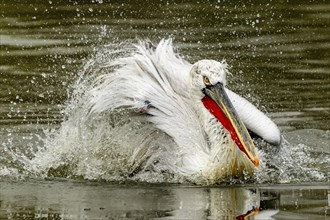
(215, 110)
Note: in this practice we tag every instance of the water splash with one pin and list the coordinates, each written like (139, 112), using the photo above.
(99, 148)
(293, 163)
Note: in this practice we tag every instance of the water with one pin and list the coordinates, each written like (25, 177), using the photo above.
(279, 53)
(56, 199)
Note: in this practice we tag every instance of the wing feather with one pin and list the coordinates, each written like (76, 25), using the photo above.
(255, 120)
(159, 78)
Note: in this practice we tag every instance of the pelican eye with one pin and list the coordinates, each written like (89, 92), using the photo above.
(206, 81)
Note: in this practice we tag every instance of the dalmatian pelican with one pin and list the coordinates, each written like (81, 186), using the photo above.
(189, 103)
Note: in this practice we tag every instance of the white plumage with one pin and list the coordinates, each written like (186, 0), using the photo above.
(168, 90)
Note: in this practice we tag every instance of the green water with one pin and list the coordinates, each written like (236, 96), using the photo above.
(279, 55)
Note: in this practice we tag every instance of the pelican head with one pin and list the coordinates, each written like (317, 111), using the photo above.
(207, 72)
(208, 82)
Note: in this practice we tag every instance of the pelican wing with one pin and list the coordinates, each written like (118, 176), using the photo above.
(255, 120)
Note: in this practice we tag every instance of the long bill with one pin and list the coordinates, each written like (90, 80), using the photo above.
(218, 103)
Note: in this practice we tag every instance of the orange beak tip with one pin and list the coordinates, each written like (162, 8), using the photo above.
(256, 162)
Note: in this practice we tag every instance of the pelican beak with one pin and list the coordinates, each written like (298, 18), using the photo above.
(218, 103)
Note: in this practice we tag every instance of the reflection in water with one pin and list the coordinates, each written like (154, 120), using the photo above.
(87, 200)
(63, 200)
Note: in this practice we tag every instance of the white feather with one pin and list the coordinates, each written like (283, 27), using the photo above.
(254, 119)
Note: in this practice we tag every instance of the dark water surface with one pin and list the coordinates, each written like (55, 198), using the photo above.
(279, 55)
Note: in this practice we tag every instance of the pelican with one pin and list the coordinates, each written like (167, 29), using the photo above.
(190, 104)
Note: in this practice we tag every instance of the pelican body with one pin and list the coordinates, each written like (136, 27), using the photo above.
(206, 123)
